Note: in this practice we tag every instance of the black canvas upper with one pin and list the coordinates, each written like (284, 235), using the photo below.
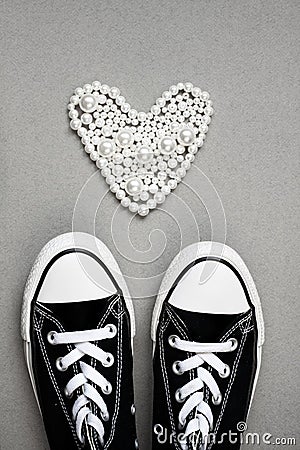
(56, 408)
(236, 389)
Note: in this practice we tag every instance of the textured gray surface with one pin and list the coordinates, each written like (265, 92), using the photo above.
(245, 54)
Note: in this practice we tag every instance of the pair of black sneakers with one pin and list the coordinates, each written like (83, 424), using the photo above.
(78, 327)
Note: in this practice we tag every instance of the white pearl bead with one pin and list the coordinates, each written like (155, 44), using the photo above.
(166, 190)
(133, 207)
(125, 202)
(106, 131)
(88, 88)
(96, 85)
(120, 100)
(180, 173)
(86, 118)
(155, 110)
(118, 170)
(110, 179)
(143, 210)
(120, 194)
(106, 147)
(124, 138)
(89, 148)
(132, 114)
(104, 88)
(204, 96)
(144, 196)
(142, 116)
(114, 92)
(73, 114)
(153, 188)
(186, 136)
(167, 145)
(88, 103)
(159, 197)
(188, 87)
(193, 149)
(144, 154)
(101, 163)
(174, 90)
(172, 163)
(196, 92)
(133, 186)
(114, 188)
(75, 124)
(102, 99)
(172, 184)
(74, 99)
(79, 91)
(81, 131)
(151, 203)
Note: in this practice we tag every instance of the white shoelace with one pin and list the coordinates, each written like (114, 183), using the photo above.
(81, 410)
(192, 392)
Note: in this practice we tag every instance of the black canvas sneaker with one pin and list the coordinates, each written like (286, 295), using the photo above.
(208, 333)
(78, 327)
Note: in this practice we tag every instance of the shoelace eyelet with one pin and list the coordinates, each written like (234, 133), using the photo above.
(109, 360)
(112, 329)
(51, 336)
(217, 400)
(176, 368)
(178, 396)
(234, 343)
(108, 389)
(172, 339)
(60, 366)
(226, 372)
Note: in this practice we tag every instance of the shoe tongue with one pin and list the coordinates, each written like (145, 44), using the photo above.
(205, 327)
(79, 316)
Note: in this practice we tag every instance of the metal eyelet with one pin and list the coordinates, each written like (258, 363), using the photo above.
(226, 372)
(51, 336)
(112, 329)
(217, 400)
(136, 444)
(176, 368)
(60, 366)
(234, 343)
(105, 417)
(132, 409)
(68, 394)
(158, 429)
(109, 360)
(172, 339)
(178, 396)
(108, 389)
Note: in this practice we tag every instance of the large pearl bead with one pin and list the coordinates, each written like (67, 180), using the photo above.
(133, 186)
(106, 147)
(144, 154)
(186, 136)
(124, 138)
(88, 103)
(167, 145)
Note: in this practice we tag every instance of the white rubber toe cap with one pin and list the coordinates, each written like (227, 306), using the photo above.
(75, 277)
(210, 287)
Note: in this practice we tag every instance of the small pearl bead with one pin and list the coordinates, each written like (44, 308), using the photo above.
(166, 190)
(125, 202)
(101, 163)
(106, 147)
(142, 116)
(73, 114)
(159, 197)
(151, 203)
(114, 188)
(89, 148)
(153, 188)
(120, 194)
(86, 118)
(114, 92)
(75, 124)
(96, 85)
(144, 196)
(124, 138)
(186, 136)
(88, 103)
(133, 207)
(144, 154)
(143, 210)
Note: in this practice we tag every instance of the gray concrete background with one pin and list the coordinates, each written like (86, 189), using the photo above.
(246, 54)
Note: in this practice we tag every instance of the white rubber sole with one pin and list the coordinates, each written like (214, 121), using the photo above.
(217, 250)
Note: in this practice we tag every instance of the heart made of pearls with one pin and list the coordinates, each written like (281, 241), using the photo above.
(142, 156)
